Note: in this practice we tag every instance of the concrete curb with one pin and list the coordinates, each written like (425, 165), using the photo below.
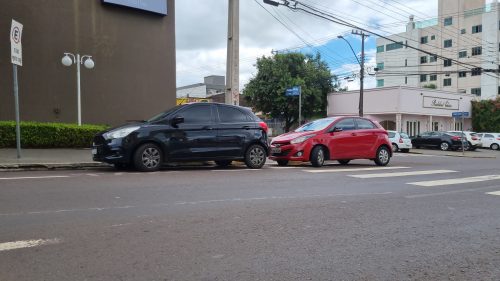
(51, 166)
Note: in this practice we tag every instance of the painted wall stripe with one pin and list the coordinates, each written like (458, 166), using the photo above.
(456, 181)
(334, 170)
(7, 246)
(402, 174)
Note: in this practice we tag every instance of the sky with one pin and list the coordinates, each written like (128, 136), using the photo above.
(201, 32)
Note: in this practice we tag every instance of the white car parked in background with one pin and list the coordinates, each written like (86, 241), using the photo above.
(473, 139)
(400, 141)
(490, 140)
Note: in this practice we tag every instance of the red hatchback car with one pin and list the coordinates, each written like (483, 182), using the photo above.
(334, 138)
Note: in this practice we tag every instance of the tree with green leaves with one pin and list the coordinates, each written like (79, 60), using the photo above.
(266, 90)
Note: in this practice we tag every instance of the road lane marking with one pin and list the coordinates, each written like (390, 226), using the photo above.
(7, 246)
(493, 193)
(29, 178)
(456, 181)
(475, 189)
(354, 169)
(402, 174)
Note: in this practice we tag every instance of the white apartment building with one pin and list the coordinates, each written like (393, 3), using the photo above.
(465, 31)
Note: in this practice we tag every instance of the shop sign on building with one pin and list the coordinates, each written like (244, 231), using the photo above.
(441, 103)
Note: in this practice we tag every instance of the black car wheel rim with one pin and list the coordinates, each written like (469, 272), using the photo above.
(383, 156)
(151, 157)
(444, 146)
(257, 156)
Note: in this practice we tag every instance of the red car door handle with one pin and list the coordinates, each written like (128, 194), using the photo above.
(354, 134)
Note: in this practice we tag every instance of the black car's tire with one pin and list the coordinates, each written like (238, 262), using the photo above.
(282, 162)
(148, 158)
(343, 162)
(395, 147)
(444, 146)
(383, 156)
(223, 163)
(255, 156)
(494, 146)
(317, 157)
(405, 150)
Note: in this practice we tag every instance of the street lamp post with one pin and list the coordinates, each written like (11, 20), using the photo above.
(86, 60)
(362, 66)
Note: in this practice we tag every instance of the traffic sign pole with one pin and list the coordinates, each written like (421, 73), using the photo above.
(16, 101)
(16, 55)
(300, 106)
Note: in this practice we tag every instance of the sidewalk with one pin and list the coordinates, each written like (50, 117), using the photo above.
(47, 159)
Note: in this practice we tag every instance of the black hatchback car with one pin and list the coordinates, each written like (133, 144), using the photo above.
(441, 140)
(190, 132)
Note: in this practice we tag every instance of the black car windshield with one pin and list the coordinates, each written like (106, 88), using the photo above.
(316, 125)
(162, 115)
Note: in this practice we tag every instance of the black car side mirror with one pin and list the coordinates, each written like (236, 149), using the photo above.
(177, 120)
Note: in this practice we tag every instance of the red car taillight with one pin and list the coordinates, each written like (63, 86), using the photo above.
(455, 138)
(263, 126)
(498, 138)
(474, 138)
(400, 140)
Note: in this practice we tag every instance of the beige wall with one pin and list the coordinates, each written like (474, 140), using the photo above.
(134, 52)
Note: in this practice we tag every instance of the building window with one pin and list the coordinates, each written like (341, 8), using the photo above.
(447, 43)
(476, 91)
(462, 74)
(462, 54)
(380, 83)
(423, 40)
(448, 21)
(432, 58)
(433, 37)
(447, 82)
(477, 51)
(394, 46)
(476, 71)
(380, 66)
(423, 59)
(433, 77)
(477, 28)
(463, 31)
(447, 63)
(423, 77)
(380, 49)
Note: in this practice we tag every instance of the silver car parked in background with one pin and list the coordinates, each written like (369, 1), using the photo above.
(490, 140)
(400, 141)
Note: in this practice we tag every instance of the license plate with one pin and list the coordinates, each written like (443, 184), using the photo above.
(94, 151)
(276, 149)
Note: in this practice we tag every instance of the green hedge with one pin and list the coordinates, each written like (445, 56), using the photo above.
(486, 115)
(48, 135)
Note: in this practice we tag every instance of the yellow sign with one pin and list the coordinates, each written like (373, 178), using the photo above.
(188, 100)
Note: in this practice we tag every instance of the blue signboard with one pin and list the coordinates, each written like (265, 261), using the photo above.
(155, 6)
(460, 114)
(293, 92)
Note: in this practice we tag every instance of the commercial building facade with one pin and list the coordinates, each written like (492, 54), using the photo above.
(212, 85)
(465, 31)
(133, 50)
(406, 109)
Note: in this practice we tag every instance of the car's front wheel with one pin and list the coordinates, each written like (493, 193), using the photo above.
(317, 156)
(148, 158)
(395, 147)
(383, 156)
(255, 157)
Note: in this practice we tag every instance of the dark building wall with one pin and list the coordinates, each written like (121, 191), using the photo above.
(133, 51)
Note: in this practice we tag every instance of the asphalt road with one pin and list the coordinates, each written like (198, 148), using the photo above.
(405, 222)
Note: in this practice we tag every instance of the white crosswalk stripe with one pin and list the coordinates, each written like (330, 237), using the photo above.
(456, 181)
(493, 193)
(335, 170)
(402, 174)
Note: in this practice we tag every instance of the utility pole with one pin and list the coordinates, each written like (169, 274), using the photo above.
(362, 65)
(233, 54)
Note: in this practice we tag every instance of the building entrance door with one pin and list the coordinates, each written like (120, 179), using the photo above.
(413, 128)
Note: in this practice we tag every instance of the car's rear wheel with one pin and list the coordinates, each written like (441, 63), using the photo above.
(282, 162)
(317, 156)
(148, 158)
(444, 146)
(395, 147)
(343, 162)
(255, 157)
(494, 146)
(383, 156)
(223, 163)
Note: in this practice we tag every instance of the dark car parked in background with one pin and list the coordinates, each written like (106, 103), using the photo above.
(442, 140)
(190, 132)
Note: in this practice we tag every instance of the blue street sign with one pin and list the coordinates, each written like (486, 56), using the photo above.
(460, 114)
(293, 92)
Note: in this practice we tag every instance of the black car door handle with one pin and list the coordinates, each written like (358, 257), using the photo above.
(207, 128)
